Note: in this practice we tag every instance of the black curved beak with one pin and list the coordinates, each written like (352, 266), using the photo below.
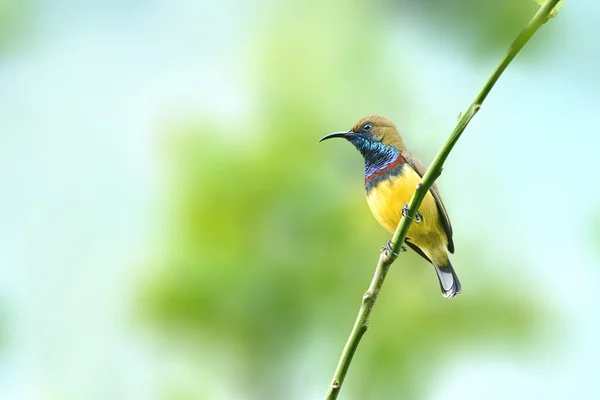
(336, 135)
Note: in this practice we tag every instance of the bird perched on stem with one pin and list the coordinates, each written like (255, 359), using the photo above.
(391, 176)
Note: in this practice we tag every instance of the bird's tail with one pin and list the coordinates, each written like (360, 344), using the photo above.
(449, 282)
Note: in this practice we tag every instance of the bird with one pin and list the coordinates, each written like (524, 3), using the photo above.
(391, 175)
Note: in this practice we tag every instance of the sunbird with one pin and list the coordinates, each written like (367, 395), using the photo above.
(391, 177)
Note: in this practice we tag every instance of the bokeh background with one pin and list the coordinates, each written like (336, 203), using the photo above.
(170, 229)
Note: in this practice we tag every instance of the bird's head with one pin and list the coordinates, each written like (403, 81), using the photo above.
(369, 131)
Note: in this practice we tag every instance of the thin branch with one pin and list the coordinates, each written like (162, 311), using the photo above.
(433, 172)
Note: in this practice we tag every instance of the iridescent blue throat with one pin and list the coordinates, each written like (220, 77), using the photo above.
(377, 155)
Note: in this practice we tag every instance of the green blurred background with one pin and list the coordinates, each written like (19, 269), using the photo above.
(170, 228)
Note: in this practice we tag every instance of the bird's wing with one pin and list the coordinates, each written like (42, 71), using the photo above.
(420, 168)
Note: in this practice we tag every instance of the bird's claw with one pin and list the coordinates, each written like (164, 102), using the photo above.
(418, 217)
(388, 248)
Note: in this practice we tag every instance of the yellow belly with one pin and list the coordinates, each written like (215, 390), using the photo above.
(386, 201)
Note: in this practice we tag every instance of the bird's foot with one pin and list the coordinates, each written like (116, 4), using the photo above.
(388, 248)
(418, 217)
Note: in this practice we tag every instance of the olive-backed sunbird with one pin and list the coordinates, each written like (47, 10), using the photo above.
(391, 177)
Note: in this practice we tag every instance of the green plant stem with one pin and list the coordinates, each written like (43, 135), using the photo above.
(433, 172)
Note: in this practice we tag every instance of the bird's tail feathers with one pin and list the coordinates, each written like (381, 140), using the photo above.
(449, 282)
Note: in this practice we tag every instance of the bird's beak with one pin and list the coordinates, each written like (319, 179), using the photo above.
(336, 134)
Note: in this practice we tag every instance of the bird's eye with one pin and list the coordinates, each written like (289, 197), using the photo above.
(367, 127)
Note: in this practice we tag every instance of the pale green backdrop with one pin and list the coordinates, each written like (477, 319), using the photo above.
(170, 229)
